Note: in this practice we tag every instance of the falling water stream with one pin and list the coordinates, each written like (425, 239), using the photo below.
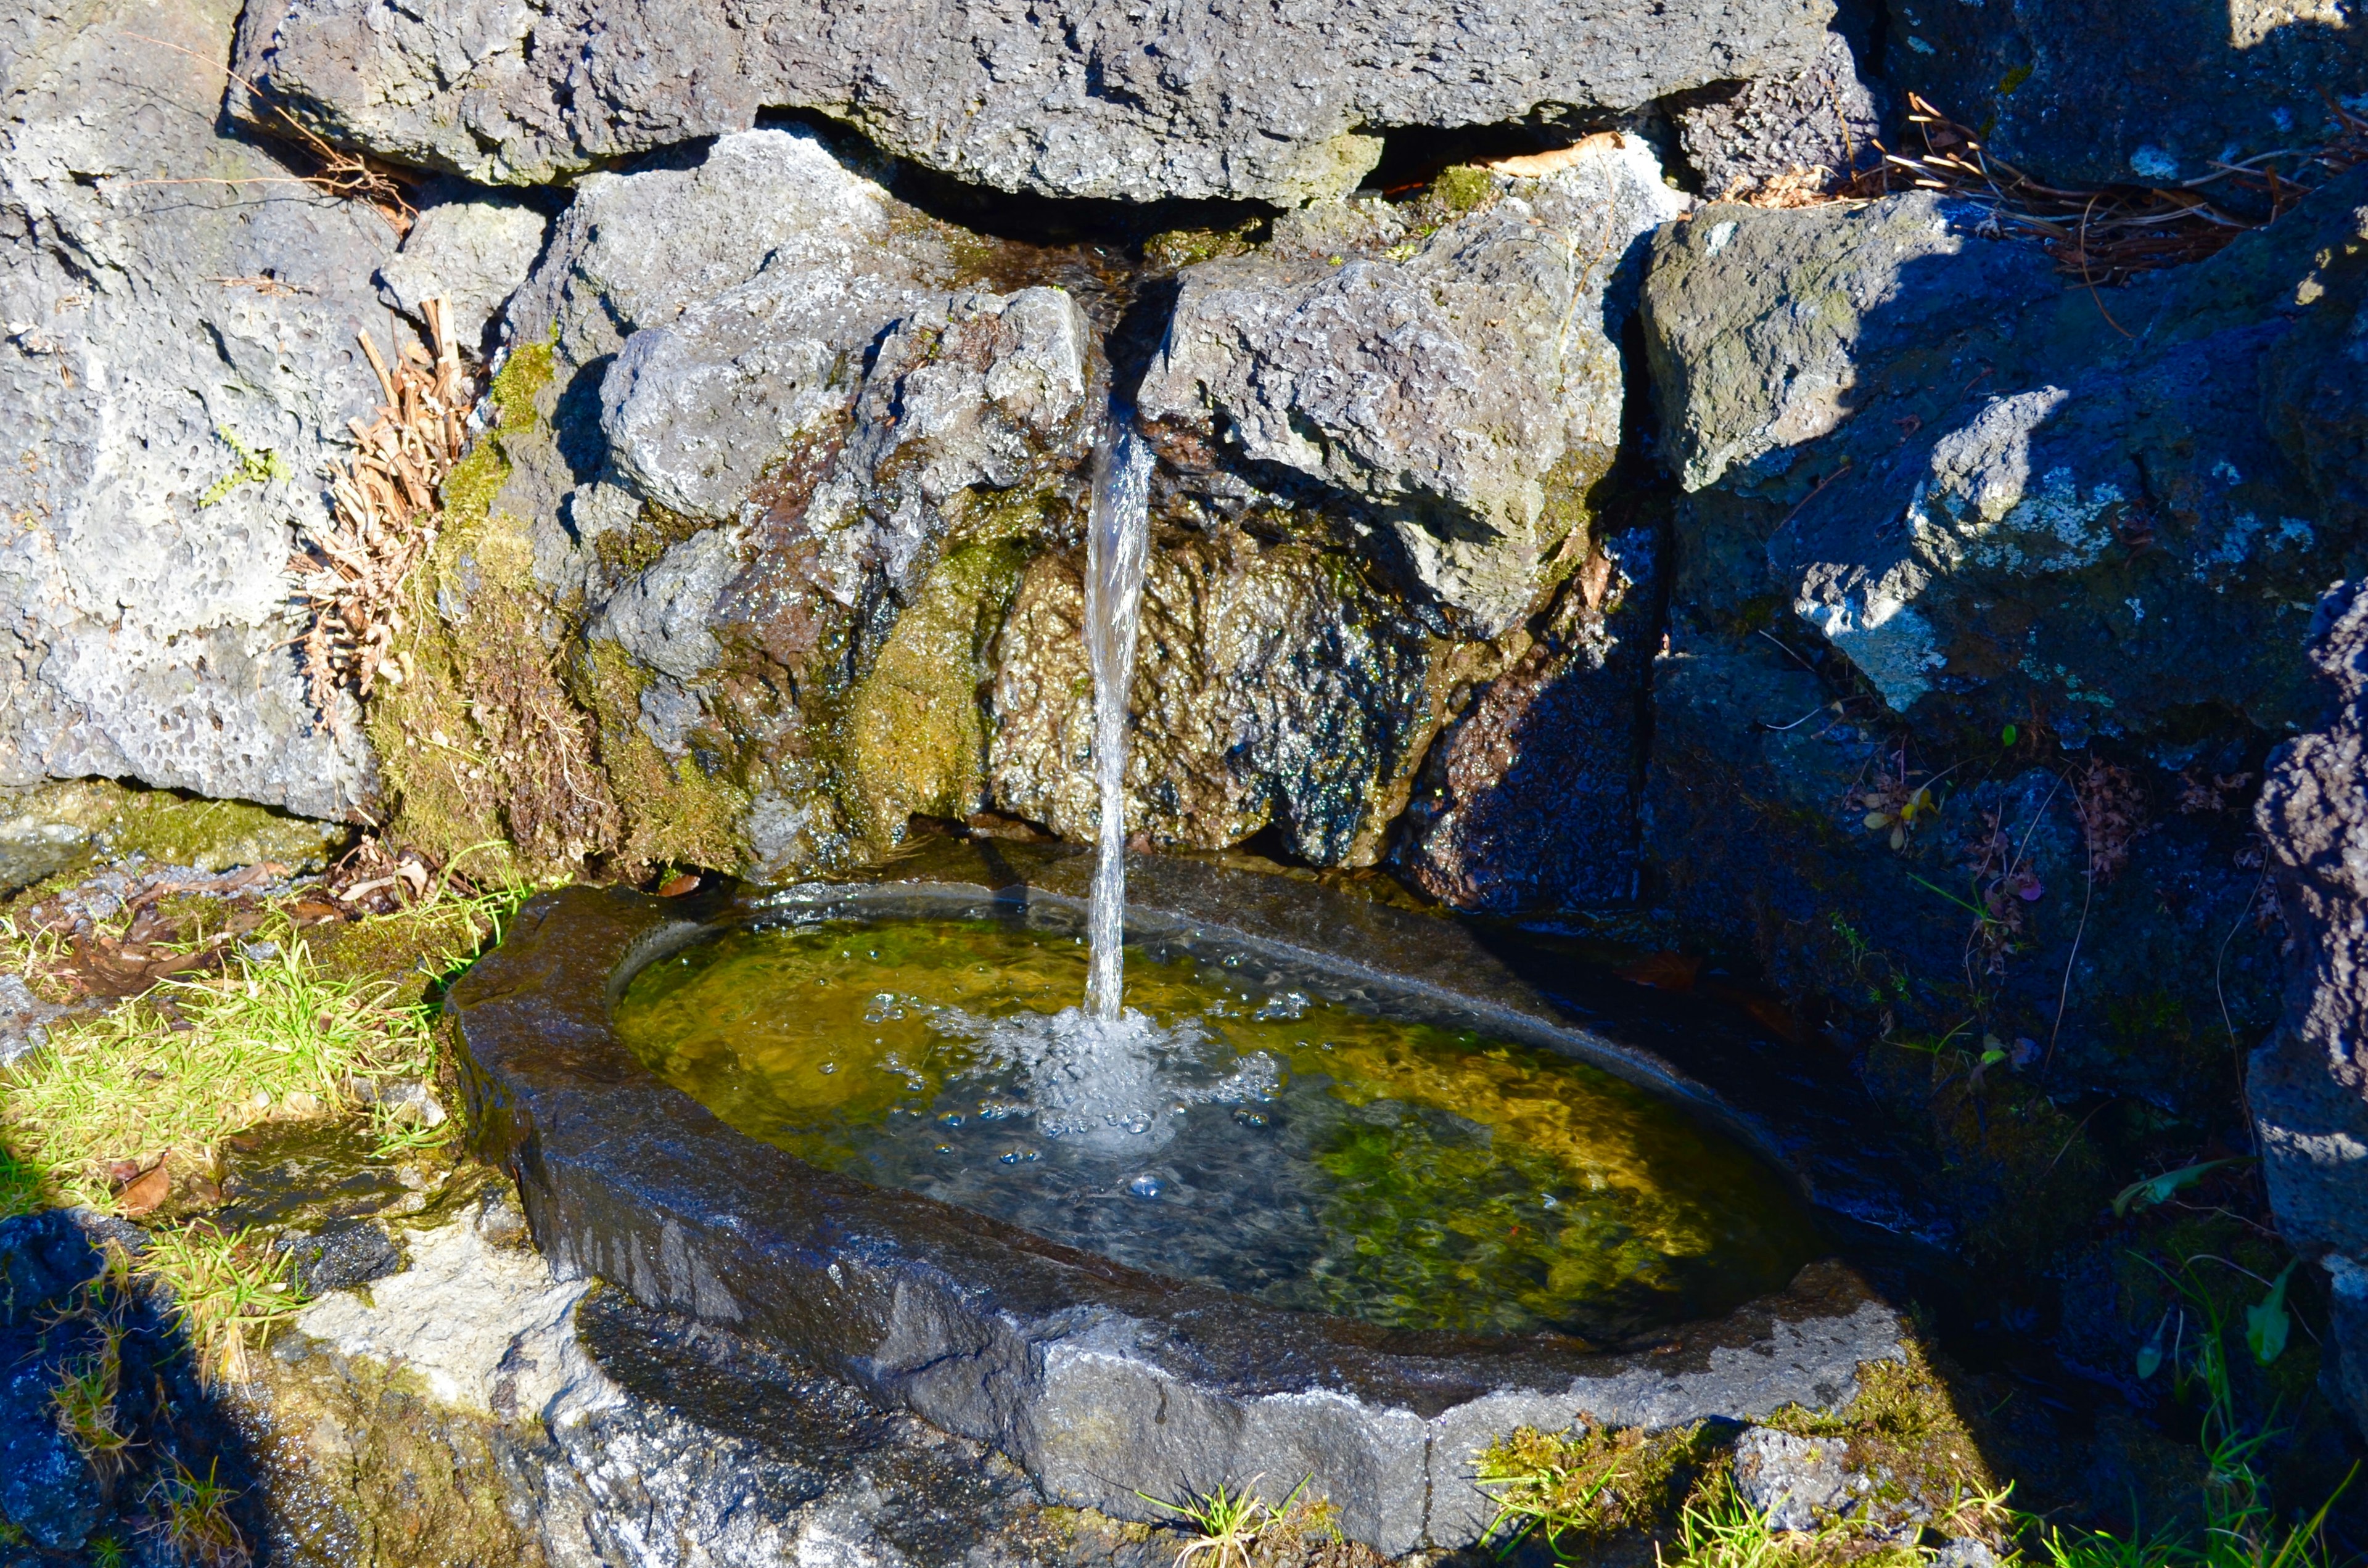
(1116, 541)
(1224, 1128)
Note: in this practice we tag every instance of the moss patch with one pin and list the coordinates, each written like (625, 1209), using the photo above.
(482, 750)
(173, 828)
(1904, 1433)
(916, 729)
(673, 812)
(1573, 1487)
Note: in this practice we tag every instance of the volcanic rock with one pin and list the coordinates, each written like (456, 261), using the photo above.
(174, 296)
(1077, 99)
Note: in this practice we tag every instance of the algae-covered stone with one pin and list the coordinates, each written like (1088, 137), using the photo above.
(1274, 688)
(1071, 99)
(1467, 392)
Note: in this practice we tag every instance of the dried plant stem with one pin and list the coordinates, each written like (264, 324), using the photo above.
(383, 517)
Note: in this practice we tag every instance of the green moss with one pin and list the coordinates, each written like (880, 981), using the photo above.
(673, 812)
(1572, 1487)
(1904, 1433)
(183, 829)
(481, 751)
(1176, 249)
(915, 730)
(1464, 188)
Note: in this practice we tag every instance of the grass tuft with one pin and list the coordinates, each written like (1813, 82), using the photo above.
(194, 1062)
(225, 1289)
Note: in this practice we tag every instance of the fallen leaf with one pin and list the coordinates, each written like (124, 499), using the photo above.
(676, 886)
(142, 1195)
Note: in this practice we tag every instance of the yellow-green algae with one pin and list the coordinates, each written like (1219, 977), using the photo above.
(916, 729)
(1554, 1191)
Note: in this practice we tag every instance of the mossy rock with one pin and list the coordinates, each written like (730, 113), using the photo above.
(169, 827)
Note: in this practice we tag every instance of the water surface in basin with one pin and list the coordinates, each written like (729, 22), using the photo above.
(1290, 1149)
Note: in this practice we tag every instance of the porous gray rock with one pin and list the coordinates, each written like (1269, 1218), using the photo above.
(471, 251)
(2095, 95)
(169, 292)
(2307, 1084)
(1932, 451)
(1466, 387)
(1081, 99)
(1803, 130)
(1807, 1483)
(1274, 688)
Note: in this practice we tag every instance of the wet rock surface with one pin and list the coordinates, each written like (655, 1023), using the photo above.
(1277, 689)
(1082, 101)
(159, 318)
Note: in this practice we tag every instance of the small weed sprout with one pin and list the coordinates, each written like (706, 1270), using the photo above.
(254, 468)
(1229, 1523)
(193, 1518)
(85, 1400)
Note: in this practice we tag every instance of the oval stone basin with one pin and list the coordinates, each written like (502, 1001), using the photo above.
(1346, 1201)
(1251, 1137)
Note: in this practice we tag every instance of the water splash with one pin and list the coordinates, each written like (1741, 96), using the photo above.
(1117, 540)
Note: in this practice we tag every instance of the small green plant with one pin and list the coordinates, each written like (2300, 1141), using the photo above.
(85, 1400)
(107, 1551)
(225, 1288)
(1229, 1523)
(1718, 1528)
(254, 468)
(193, 1518)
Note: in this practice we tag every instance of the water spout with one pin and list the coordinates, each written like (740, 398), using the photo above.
(1117, 540)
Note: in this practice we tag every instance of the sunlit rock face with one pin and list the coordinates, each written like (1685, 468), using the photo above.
(1080, 99)
(1465, 384)
(156, 316)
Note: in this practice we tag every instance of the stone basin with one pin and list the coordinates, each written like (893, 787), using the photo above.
(1103, 1382)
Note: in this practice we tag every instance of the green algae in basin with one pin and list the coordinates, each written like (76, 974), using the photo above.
(1300, 1153)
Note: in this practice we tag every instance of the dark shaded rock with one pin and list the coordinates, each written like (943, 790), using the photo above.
(2308, 1083)
(1529, 799)
(1091, 1375)
(1275, 687)
(341, 1255)
(1082, 100)
(1466, 385)
(2094, 93)
(169, 291)
(63, 1313)
(1821, 122)
(2010, 500)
